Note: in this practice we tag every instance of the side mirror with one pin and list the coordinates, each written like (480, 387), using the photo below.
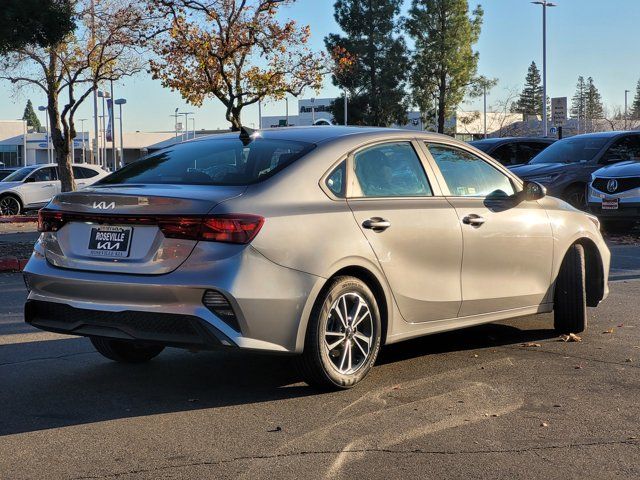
(29, 180)
(533, 191)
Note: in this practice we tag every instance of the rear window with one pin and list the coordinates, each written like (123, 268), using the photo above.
(212, 162)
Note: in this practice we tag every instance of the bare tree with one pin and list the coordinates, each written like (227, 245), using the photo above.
(104, 47)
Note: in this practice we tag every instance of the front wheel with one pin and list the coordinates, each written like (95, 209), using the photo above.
(125, 352)
(343, 336)
(10, 205)
(570, 305)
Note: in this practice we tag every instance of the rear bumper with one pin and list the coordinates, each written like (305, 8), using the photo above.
(269, 302)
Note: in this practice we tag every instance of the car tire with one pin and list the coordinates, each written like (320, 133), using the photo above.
(575, 196)
(570, 305)
(336, 353)
(10, 205)
(124, 351)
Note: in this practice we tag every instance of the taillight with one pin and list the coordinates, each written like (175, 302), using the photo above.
(232, 228)
(50, 221)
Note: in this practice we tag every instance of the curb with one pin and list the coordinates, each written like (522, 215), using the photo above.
(18, 219)
(12, 264)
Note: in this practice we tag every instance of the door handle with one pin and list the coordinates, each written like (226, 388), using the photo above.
(377, 224)
(47, 185)
(473, 220)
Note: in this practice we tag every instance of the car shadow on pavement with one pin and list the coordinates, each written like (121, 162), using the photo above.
(58, 383)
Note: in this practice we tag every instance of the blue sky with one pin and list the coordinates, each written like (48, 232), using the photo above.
(597, 38)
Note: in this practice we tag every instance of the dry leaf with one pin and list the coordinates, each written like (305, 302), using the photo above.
(629, 360)
(572, 337)
(544, 424)
(609, 330)
(530, 344)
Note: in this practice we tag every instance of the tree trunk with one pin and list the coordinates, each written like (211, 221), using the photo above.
(65, 161)
(441, 109)
(233, 117)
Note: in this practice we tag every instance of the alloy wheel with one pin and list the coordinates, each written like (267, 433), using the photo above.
(9, 206)
(348, 334)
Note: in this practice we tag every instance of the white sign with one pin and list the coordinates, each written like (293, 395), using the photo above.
(559, 111)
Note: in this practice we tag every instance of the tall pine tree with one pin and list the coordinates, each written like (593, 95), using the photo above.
(593, 104)
(444, 62)
(376, 81)
(635, 107)
(30, 116)
(579, 103)
(530, 101)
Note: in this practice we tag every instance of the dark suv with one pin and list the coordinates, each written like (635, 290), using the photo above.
(511, 151)
(565, 167)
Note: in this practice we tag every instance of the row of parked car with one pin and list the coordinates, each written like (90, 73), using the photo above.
(598, 172)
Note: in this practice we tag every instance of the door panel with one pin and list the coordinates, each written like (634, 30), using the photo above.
(508, 258)
(43, 189)
(420, 253)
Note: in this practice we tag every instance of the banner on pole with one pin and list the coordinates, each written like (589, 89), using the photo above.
(109, 132)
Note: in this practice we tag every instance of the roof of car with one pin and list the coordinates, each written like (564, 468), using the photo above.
(512, 139)
(611, 134)
(317, 133)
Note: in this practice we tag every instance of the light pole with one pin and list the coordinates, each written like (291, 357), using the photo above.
(175, 124)
(186, 123)
(484, 89)
(259, 114)
(46, 112)
(286, 100)
(193, 129)
(345, 107)
(82, 120)
(104, 95)
(626, 93)
(313, 111)
(545, 4)
(120, 102)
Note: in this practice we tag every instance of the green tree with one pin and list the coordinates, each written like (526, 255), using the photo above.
(530, 101)
(376, 80)
(635, 106)
(593, 103)
(578, 102)
(445, 63)
(30, 116)
(34, 22)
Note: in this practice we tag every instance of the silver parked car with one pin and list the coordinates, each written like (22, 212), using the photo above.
(325, 242)
(34, 186)
(614, 195)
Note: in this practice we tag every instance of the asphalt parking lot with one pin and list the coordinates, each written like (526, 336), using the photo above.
(505, 400)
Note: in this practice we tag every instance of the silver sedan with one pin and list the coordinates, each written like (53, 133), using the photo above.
(323, 242)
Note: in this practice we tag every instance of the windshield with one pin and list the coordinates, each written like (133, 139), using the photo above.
(19, 175)
(571, 150)
(483, 146)
(212, 162)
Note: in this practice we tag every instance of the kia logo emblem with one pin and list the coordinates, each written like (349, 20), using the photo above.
(104, 205)
(612, 185)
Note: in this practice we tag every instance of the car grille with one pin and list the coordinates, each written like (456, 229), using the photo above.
(624, 184)
(165, 328)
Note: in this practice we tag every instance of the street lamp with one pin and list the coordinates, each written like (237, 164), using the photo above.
(626, 92)
(82, 120)
(120, 102)
(104, 95)
(175, 124)
(345, 107)
(313, 111)
(49, 155)
(545, 4)
(186, 123)
(286, 101)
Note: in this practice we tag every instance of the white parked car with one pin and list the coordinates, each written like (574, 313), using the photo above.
(34, 186)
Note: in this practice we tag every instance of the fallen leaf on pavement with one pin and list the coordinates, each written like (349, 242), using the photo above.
(530, 344)
(572, 337)
(610, 330)
(629, 360)
(544, 424)
(578, 367)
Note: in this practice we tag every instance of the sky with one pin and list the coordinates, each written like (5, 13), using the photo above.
(597, 38)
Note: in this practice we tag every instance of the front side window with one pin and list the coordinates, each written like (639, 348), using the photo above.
(469, 176)
(571, 150)
(44, 175)
(505, 154)
(224, 161)
(627, 148)
(390, 170)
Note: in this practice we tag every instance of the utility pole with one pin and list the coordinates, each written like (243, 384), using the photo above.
(82, 120)
(626, 93)
(286, 100)
(345, 107)
(96, 154)
(545, 4)
(113, 130)
(484, 88)
(259, 114)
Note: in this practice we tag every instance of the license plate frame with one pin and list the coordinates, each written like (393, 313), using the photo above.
(610, 203)
(110, 241)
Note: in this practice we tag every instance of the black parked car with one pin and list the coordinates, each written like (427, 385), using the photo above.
(511, 151)
(565, 167)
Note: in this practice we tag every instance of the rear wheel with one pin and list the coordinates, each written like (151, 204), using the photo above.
(570, 306)
(125, 352)
(10, 205)
(343, 336)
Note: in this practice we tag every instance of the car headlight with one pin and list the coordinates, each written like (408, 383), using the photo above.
(544, 179)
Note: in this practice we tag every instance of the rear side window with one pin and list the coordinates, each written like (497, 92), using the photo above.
(212, 162)
(336, 180)
(390, 170)
(79, 172)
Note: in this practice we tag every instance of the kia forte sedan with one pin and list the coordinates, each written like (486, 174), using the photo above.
(321, 242)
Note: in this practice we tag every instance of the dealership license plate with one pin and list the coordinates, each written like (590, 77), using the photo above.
(610, 204)
(108, 241)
